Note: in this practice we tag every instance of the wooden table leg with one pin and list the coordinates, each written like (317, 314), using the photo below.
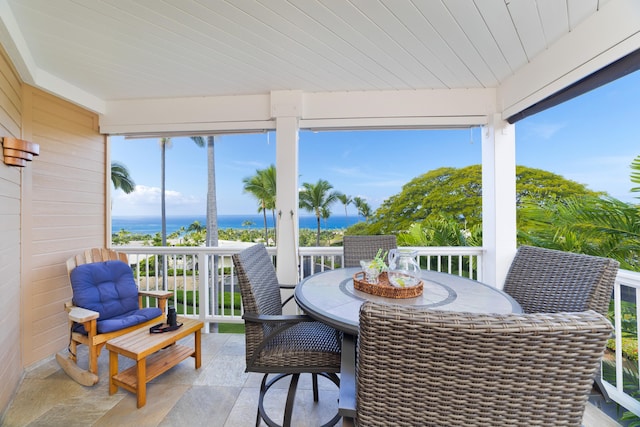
(113, 371)
(198, 348)
(141, 390)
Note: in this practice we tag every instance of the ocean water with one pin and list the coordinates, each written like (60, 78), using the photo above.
(153, 224)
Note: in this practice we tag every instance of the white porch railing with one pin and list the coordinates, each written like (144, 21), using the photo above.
(188, 272)
(461, 260)
(187, 269)
(620, 368)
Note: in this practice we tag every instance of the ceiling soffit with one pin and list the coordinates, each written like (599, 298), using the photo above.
(120, 58)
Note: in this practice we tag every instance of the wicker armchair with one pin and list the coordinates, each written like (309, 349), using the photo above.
(438, 368)
(357, 248)
(550, 281)
(277, 343)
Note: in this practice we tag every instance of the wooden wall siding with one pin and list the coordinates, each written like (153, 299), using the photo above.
(10, 193)
(67, 213)
(49, 211)
(10, 314)
(10, 98)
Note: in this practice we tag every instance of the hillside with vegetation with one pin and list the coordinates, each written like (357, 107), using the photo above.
(443, 207)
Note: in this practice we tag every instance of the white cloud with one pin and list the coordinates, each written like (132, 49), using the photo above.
(349, 172)
(147, 201)
(142, 193)
(545, 130)
(367, 179)
(252, 164)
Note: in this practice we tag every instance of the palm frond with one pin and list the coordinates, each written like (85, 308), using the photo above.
(635, 173)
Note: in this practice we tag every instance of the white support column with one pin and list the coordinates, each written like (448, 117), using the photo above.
(286, 107)
(498, 199)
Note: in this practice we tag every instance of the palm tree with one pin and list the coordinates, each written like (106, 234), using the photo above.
(212, 203)
(253, 185)
(318, 198)
(268, 176)
(195, 227)
(325, 213)
(196, 233)
(262, 186)
(363, 207)
(600, 226)
(346, 201)
(164, 142)
(211, 237)
(121, 178)
(635, 174)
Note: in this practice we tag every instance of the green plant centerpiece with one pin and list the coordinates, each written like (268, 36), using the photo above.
(374, 267)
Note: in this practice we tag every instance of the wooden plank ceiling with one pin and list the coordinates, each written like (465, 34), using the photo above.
(125, 49)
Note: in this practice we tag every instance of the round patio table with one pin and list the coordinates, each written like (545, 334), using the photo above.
(330, 297)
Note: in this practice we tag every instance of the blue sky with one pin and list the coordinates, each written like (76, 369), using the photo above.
(591, 139)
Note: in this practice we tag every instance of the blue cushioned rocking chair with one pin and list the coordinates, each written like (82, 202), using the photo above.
(106, 304)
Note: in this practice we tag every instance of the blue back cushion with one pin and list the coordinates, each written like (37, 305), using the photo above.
(106, 287)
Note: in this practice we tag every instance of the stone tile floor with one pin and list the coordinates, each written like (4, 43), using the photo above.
(220, 393)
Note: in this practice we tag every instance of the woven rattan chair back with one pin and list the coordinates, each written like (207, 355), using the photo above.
(437, 368)
(357, 248)
(260, 291)
(550, 281)
(286, 345)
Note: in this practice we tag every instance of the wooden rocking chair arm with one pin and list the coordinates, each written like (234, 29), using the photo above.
(283, 318)
(81, 315)
(155, 294)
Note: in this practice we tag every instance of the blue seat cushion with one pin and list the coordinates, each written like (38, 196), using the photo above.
(128, 319)
(109, 288)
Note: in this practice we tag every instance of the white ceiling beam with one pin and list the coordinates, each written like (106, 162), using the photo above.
(606, 36)
(401, 103)
(422, 108)
(191, 115)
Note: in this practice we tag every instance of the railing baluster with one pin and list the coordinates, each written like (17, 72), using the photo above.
(210, 307)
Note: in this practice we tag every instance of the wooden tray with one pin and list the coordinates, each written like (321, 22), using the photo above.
(384, 289)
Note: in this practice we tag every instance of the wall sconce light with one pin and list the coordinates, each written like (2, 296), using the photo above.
(17, 152)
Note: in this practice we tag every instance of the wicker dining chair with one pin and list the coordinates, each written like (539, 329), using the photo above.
(548, 281)
(439, 368)
(286, 345)
(357, 248)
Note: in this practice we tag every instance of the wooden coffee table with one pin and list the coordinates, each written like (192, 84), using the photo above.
(154, 354)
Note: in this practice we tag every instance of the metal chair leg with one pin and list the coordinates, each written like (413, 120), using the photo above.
(260, 399)
(314, 380)
(291, 397)
(288, 411)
